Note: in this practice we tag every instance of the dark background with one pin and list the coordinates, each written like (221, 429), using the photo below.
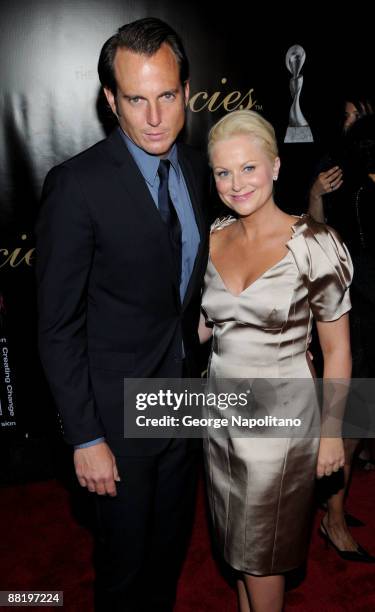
(50, 109)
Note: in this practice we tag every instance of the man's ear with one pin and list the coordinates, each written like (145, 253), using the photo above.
(186, 92)
(111, 100)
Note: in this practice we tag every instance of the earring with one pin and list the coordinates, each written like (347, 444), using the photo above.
(275, 177)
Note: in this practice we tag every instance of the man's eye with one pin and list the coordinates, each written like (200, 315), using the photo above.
(169, 96)
(134, 100)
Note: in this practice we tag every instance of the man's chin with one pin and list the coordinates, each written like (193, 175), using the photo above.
(159, 148)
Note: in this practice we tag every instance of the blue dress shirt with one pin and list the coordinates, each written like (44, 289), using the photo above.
(148, 166)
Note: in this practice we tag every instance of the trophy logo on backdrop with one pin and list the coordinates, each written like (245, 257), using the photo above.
(298, 128)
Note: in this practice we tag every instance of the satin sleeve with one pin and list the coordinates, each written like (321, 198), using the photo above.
(330, 275)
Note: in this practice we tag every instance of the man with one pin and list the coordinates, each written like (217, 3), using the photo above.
(120, 264)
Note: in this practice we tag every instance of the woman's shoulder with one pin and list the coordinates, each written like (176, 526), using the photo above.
(314, 230)
(320, 251)
(324, 262)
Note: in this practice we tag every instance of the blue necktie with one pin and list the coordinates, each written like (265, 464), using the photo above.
(168, 214)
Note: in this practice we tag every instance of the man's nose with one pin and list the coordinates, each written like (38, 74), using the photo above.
(154, 114)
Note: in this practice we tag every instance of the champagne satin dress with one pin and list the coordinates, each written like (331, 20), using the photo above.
(260, 489)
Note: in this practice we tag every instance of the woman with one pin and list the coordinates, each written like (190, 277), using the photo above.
(268, 273)
(330, 179)
(343, 196)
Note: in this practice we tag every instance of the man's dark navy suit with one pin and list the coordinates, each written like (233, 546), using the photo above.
(109, 306)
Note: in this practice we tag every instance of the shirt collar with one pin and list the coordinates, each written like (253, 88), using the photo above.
(149, 164)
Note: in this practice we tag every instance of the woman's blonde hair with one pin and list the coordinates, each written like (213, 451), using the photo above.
(248, 123)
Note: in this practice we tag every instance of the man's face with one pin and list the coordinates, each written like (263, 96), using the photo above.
(150, 101)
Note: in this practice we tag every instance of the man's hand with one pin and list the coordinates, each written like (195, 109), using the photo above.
(96, 469)
(331, 456)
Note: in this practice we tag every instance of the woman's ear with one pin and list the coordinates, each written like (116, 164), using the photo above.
(276, 168)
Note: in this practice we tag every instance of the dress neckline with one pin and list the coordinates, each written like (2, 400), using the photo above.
(227, 221)
(258, 278)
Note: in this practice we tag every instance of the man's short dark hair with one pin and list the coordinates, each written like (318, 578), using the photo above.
(144, 36)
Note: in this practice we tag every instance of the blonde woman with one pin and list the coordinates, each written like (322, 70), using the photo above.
(269, 273)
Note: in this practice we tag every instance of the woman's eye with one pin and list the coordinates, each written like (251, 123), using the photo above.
(248, 168)
(222, 173)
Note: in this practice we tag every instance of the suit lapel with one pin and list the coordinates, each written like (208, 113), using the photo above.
(189, 175)
(139, 194)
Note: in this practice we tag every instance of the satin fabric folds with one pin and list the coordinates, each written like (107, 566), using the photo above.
(261, 488)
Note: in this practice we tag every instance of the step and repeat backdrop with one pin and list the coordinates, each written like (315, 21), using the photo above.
(51, 108)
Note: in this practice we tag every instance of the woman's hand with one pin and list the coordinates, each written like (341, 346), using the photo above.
(326, 182)
(331, 456)
(335, 344)
(204, 332)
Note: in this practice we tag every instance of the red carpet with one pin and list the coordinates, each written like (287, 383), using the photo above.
(43, 546)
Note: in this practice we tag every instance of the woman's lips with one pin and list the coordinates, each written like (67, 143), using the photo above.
(242, 197)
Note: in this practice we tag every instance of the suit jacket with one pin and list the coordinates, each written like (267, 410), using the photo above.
(109, 303)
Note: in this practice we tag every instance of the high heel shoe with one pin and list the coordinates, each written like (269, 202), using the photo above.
(353, 521)
(360, 554)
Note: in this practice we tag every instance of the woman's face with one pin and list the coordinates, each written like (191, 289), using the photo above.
(244, 173)
(351, 115)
